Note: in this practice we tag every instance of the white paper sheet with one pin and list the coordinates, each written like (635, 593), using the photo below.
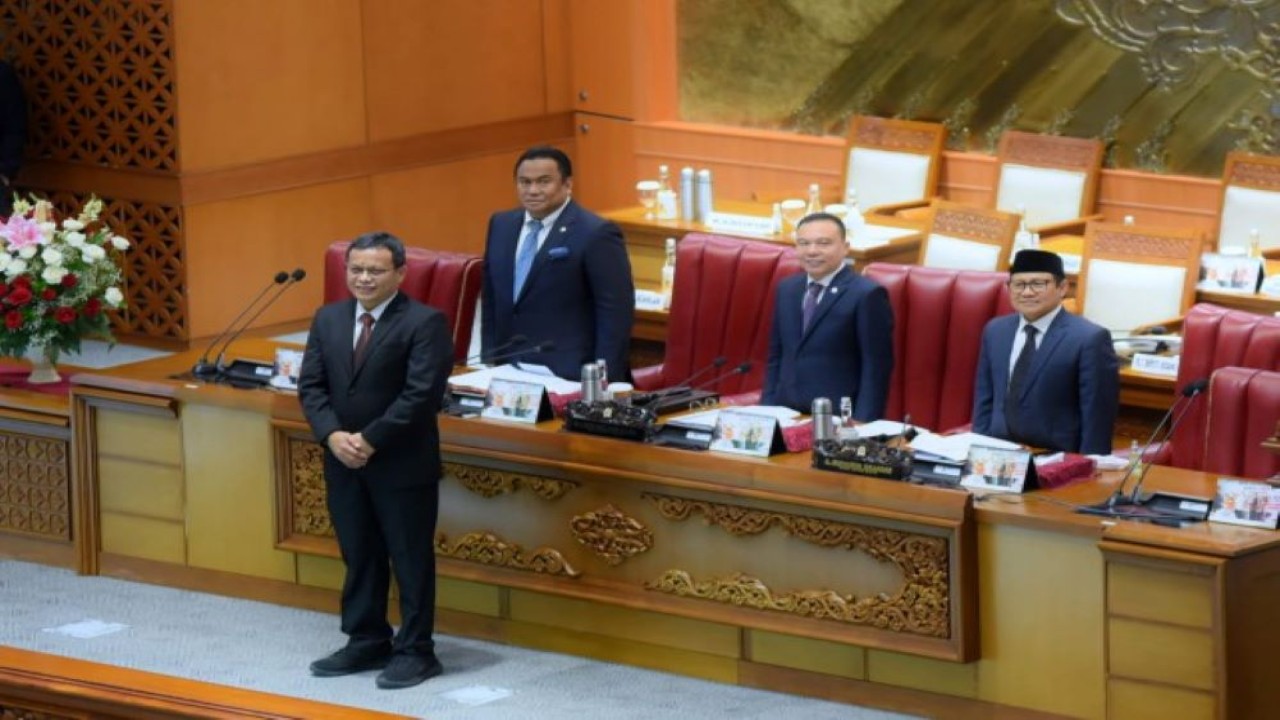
(956, 447)
(478, 380)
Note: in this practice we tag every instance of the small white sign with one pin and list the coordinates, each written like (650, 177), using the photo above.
(744, 433)
(648, 300)
(1241, 502)
(1162, 365)
(476, 695)
(513, 401)
(735, 224)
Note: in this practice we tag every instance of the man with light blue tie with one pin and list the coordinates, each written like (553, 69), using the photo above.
(557, 281)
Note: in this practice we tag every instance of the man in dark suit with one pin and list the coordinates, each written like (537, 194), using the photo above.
(556, 273)
(13, 134)
(832, 332)
(372, 380)
(1046, 378)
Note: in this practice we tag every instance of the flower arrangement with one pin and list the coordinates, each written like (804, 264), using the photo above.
(56, 280)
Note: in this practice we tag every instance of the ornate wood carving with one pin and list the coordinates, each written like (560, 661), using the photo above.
(888, 135)
(99, 78)
(487, 548)
(611, 534)
(1258, 174)
(487, 482)
(1138, 243)
(922, 606)
(11, 711)
(306, 474)
(1061, 152)
(970, 223)
(35, 486)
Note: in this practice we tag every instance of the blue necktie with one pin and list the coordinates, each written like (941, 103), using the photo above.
(524, 257)
(810, 304)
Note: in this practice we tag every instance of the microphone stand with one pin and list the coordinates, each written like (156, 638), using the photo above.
(255, 379)
(495, 353)
(205, 369)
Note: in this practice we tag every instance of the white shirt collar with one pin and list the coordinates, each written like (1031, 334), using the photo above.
(1041, 325)
(377, 311)
(549, 221)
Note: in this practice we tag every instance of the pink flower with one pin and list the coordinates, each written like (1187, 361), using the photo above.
(21, 232)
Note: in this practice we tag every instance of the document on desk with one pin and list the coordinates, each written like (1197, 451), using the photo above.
(956, 447)
(478, 380)
(785, 416)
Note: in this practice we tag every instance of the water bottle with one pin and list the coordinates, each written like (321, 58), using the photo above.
(688, 212)
(668, 204)
(705, 203)
(821, 415)
(846, 411)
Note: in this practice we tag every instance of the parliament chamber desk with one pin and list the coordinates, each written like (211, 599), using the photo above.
(646, 239)
(761, 572)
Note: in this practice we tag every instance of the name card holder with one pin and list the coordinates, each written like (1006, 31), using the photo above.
(1241, 502)
(999, 470)
(735, 224)
(515, 401)
(744, 433)
(1162, 365)
(685, 437)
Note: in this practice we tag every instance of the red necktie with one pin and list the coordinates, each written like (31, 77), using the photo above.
(362, 342)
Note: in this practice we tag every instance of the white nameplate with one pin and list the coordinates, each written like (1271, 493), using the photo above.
(513, 401)
(1271, 286)
(733, 223)
(744, 433)
(1162, 365)
(648, 300)
(1241, 502)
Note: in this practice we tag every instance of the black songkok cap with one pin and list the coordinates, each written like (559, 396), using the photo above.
(1027, 261)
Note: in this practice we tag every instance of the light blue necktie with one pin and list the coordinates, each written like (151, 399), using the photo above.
(524, 257)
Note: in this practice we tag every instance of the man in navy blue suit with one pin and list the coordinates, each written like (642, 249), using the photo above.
(555, 273)
(832, 332)
(1046, 378)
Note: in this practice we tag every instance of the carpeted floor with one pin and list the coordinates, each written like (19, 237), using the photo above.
(267, 647)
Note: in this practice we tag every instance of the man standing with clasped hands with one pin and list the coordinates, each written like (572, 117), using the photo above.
(372, 381)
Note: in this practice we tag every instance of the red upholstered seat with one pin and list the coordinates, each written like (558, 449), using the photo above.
(449, 282)
(722, 305)
(1214, 337)
(1242, 410)
(938, 316)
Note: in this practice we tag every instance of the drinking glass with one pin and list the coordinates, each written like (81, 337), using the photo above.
(792, 213)
(647, 191)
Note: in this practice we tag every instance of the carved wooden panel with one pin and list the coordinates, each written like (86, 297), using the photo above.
(1083, 155)
(487, 482)
(1258, 172)
(611, 534)
(10, 710)
(99, 79)
(889, 134)
(972, 223)
(1142, 244)
(35, 486)
(487, 548)
(155, 274)
(307, 512)
(922, 606)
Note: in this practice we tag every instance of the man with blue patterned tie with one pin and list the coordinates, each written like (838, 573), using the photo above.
(556, 274)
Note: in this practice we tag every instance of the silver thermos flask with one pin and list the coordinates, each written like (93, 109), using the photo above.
(821, 415)
(590, 383)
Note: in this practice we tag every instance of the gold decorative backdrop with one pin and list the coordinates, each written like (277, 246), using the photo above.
(99, 81)
(1169, 85)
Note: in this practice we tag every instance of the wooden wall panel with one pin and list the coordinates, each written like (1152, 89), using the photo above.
(604, 38)
(439, 65)
(445, 206)
(235, 246)
(263, 80)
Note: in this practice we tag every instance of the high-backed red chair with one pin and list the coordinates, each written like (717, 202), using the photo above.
(938, 316)
(448, 282)
(721, 305)
(1214, 337)
(1242, 410)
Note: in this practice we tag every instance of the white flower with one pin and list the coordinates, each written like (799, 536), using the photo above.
(5, 259)
(53, 274)
(16, 267)
(113, 296)
(72, 224)
(74, 239)
(27, 252)
(48, 228)
(93, 252)
(119, 242)
(51, 256)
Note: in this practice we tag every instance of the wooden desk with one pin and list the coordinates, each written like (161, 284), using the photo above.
(759, 572)
(646, 239)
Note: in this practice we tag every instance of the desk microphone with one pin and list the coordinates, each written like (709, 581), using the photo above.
(680, 387)
(294, 278)
(1192, 389)
(511, 342)
(737, 370)
(1189, 392)
(543, 346)
(205, 369)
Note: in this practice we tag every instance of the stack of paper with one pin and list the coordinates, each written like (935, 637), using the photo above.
(477, 382)
(955, 448)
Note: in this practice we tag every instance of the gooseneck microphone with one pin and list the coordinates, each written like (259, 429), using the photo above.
(681, 387)
(1189, 392)
(487, 356)
(205, 369)
(543, 346)
(737, 370)
(294, 278)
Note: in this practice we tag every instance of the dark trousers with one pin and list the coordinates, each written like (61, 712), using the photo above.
(381, 531)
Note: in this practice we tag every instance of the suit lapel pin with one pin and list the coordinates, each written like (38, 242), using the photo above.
(564, 229)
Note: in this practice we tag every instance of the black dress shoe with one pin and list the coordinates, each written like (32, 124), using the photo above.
(353, 659)
(408, 670)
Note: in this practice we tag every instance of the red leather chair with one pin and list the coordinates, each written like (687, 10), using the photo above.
(1242, 410)
(1214, 337)
(721, 305)
(938, 316)
(448, 282)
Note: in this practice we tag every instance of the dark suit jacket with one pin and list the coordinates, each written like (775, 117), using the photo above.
(392, 398)
(1071, 395)
(847, 350)
(579, 293)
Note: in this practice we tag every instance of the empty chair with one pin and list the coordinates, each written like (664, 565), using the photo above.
(1243, 408)
(891, 162)
(1054, 179)
(447, 281)
(1250, 201)
(1134, 276)
(963, 237)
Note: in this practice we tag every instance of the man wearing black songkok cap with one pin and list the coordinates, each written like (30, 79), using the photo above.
(1046, 378)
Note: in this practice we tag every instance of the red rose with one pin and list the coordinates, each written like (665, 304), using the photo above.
(65, 315)
(49, 293)
(13, 319)
(92, 307)
(20, 295)
(69, 280)
(4, 289)
(22, 281)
